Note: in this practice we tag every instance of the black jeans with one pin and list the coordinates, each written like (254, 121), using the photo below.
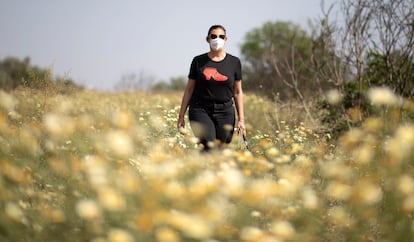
(212, 122)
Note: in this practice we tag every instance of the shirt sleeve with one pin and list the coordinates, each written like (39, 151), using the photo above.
(193, 70)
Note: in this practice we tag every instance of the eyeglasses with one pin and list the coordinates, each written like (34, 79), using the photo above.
(214, 36)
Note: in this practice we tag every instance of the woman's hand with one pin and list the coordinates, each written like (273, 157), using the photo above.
(184, 104)
(241, 127)
(181, 125)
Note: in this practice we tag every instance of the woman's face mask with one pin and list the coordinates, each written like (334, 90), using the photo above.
(216, 44)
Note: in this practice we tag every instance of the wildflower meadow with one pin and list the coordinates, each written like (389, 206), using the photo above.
(111, 167)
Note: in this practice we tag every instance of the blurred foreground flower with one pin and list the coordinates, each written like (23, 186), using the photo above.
(14, 212)
(382, 96)
(406, 184)
(232, 181)
(120, 143)
(59, 125)
(366, 192)
(7, 101)
(167, 235)
(310, 198)
(339, 216)
(96, 170)
(338, 191)
(402, 144)
(191, 225)
(111, 199)
(408, 204)
(15, 173)
(119, 235)
(88, 209)
(251, 234)
(121, 119)
(333, 96)
(282, 229)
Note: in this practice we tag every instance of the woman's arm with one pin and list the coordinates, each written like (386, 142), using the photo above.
(238, 99)
(184, 103)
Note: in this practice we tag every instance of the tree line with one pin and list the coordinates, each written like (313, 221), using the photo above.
(356, 43)
(15, 73)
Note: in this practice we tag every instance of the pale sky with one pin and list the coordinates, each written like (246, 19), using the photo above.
(95, 42)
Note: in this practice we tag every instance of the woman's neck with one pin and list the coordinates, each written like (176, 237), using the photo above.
(217, 55)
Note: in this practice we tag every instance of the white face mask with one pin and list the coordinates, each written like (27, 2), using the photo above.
(217, 43)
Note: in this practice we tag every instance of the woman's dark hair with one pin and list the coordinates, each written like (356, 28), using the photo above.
(217, 26)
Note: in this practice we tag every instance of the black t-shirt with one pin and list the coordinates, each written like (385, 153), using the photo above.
(214, 80)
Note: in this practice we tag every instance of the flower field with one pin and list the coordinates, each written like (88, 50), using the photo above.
(111, 167)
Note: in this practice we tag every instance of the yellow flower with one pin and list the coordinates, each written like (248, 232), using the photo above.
(339, 216)
(99, 239)
(258, 190)
(15, 173)
(14, 212)
(409, 105)
(282, 229)
(232, 181)
(111, 199)
(304, 161)
(144, 221)
(128, 181)
(119, 235)
(120, 143)
(272, 152)
(205, 183)
(53, 214)
(382, 96)
(59, 125)
(7, 101)
(373, 124)
(283, 159)
(191, 225)
(174, 190)
(351, 138)
(405, 184)
(333, 96)
(366, 192)
(408, 204)
(95, 168)
(337, 170)
(338, 191)
(363, 154)
(121, 119)
(256, 214)
(165, 234)
(250, 234)
(402, 144)
(88, 209)
(310, 198)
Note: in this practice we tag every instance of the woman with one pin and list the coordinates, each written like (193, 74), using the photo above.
(213, 83)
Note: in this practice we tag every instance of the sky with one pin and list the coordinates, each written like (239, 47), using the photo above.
(97, 42)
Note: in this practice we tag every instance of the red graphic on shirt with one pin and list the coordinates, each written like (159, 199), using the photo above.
(210, 72)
